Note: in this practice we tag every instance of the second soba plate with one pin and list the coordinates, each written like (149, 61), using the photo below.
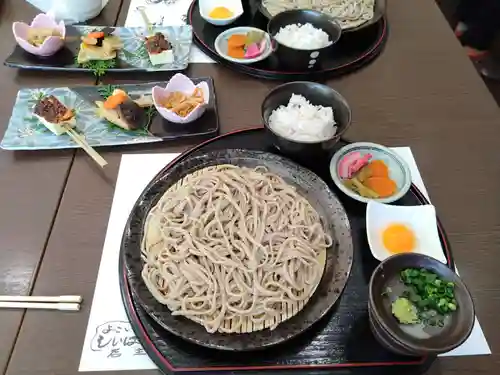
(336, 264)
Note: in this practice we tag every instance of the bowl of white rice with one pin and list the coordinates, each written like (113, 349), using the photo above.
(303, 37)
(305, 120)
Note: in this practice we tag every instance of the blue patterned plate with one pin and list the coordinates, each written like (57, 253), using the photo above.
(133, 57)
(25, 132)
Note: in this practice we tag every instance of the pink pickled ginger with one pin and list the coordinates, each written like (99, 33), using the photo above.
(255, 50)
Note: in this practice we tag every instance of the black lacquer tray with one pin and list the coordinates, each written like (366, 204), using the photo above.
(353, 51)
(341, 343)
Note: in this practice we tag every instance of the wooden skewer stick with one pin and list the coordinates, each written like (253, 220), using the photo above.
(85, 146)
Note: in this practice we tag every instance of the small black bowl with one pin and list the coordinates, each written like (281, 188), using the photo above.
(303, 59)
(317, 94)
(458, 326)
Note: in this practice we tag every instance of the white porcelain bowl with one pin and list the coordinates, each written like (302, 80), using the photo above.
(221, 44)
(399, 171)
(206, 6)
(420, 219)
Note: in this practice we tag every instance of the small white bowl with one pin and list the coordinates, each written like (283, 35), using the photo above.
(399, 171)
(181, 83)
(420, 219)
(221, 44)
(206, 6)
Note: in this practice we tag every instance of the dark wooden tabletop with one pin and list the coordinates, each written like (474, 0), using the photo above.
(422, 92)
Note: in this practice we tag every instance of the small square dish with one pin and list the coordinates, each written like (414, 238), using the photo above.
(397, 229)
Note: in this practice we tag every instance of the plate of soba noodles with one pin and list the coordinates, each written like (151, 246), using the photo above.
(352, 15)
(237, 249)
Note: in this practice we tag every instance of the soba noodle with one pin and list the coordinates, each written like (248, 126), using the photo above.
(232, 245)
(349, 13)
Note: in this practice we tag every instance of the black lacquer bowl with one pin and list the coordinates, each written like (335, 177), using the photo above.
(416, 341)
(341, 342)
(335, 275)
(303, 59)
(317, 94)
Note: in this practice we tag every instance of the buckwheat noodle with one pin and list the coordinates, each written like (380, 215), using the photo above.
(230, 246)
(349, 13)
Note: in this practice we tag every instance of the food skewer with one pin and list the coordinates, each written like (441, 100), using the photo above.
(60, 119)
(159, 48)
(85, 146)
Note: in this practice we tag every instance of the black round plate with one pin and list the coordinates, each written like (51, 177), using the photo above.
(338, 263)
(332, 344)
(352, 51)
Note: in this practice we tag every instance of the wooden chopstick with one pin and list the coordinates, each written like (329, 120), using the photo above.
(53, 299)
(44, 306)
(85, 146)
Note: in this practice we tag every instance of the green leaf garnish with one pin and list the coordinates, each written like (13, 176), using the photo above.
(106, 90)
(97, 67)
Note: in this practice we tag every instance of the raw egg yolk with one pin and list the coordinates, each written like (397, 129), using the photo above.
(398, 238)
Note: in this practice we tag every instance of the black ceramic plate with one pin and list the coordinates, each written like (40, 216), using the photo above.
(378, 13)
(336, 273)
(352, 51)
(25, 132)
(132, 58)
(341, 341)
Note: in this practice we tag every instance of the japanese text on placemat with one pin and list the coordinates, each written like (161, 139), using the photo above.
(116, 338)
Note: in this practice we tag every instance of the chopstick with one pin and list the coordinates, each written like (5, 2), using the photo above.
(44, 306)
(85, 146)
(62, 303)
(54, 299)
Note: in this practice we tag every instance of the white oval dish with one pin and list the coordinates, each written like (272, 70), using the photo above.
(206, 6)
(420, 219)
(181, 83)
(398, 169)
(221, 44)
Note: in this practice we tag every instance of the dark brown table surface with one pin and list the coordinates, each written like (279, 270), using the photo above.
(422, 92)
(31, 183)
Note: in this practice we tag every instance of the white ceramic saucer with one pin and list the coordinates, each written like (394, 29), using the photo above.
(420, 219)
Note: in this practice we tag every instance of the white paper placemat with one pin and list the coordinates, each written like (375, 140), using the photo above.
(171, 12)
(110, 343)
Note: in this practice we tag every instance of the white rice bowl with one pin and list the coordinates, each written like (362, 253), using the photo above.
(305, 37)
(302, 121)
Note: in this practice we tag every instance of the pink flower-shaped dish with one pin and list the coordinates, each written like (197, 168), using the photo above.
(50, 45)
(180, 83)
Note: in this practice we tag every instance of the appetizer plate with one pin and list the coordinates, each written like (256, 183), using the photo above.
(398, 169)
(421, 220)
(133, 56)
(25, 132)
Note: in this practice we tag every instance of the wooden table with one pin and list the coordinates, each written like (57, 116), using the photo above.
(422, 92)
(31, 183)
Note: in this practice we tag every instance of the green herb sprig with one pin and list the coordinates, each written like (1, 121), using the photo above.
(106, 90)
(98, 67)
